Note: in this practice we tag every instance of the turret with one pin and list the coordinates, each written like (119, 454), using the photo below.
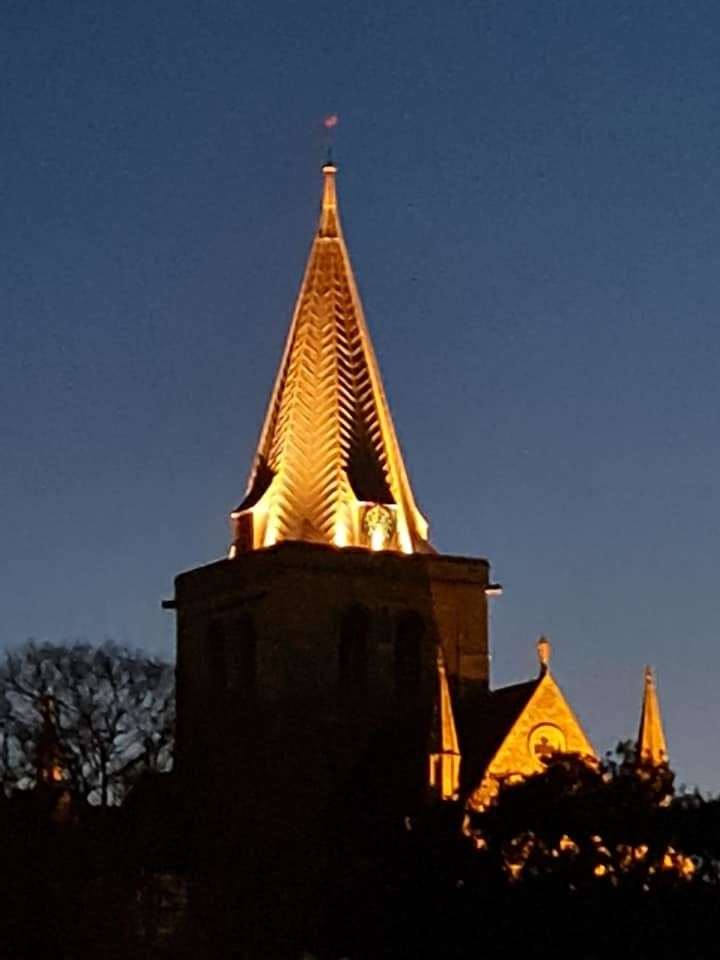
(651, 745)
(444, 756)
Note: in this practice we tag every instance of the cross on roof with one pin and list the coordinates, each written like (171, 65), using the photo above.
(544, 748)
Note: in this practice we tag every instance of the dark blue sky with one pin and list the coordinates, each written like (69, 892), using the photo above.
(530, 194)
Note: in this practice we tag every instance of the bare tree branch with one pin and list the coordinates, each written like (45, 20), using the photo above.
(114, 714)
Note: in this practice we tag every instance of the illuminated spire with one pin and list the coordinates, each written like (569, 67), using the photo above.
(444, 756)
(652, 748)
(328, 466)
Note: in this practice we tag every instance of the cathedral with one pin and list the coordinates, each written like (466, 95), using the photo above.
(333, 669)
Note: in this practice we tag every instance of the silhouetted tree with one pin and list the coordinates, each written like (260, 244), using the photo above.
(585, 823)
(582, 861)
(109, 712)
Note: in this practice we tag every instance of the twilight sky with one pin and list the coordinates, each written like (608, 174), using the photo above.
(530, 196)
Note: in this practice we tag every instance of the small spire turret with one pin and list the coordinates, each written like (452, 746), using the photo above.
(48, 753)
(651, 745)
(444, 755)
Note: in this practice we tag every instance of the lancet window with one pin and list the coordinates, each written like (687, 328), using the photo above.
(409, 633)
(353, 650)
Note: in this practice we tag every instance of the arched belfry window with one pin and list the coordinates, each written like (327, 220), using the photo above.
(217, 658)
(409, 633)
(232, 656)
(353, 650)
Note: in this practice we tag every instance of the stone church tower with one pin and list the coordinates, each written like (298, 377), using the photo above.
(329, 610)
(307, 661)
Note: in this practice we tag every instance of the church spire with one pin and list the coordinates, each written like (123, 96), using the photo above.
(328, 466)
(651, 746)
(444, 756)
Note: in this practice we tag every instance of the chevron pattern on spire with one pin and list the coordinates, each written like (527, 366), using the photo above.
(328, 466)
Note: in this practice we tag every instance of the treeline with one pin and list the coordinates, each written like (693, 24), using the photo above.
(101, 854)
(576, 862)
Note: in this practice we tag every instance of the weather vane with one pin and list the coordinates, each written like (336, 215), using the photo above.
(329, 123)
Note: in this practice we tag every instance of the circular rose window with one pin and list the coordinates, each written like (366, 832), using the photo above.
(545, 740)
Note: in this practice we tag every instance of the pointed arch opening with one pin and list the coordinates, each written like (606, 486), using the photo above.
(243, 655)
(409, 635)
(353, 648)
(217, 660)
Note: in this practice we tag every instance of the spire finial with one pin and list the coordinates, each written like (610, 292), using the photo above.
(544, 651)
(329, 224)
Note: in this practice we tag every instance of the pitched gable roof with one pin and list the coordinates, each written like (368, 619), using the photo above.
(521, 724)
(487, 724)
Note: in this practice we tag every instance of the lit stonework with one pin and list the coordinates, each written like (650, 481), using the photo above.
(538, 722)
(328, 468)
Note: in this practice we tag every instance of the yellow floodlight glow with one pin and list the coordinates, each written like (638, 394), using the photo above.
(377, 539)
(380, 525)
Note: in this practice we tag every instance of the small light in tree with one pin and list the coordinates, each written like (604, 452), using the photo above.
(567, 844)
